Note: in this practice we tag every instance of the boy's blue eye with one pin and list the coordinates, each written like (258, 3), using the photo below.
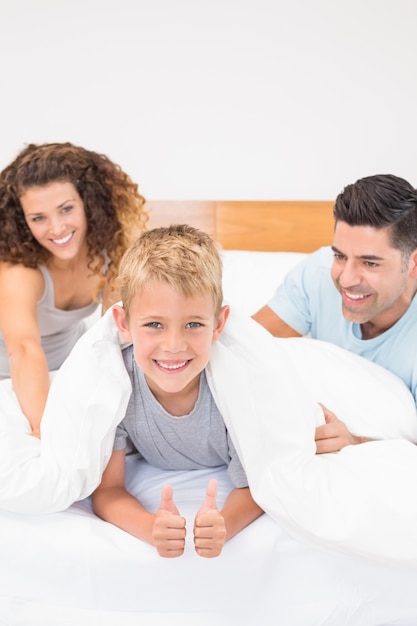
(194, 325)
(153, 325)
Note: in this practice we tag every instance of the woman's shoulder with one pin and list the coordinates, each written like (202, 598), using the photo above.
(18, 277)
(18, 269)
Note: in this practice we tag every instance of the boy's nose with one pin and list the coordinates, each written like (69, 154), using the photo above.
(174, 341)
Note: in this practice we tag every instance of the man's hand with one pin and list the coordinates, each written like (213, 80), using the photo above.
(168, 531)
(333, 435)
(209, 525)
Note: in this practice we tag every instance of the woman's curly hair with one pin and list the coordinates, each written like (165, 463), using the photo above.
(113, 206)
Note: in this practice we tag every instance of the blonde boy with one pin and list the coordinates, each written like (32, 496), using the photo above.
(171, 289)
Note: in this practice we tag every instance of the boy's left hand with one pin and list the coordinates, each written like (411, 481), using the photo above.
(209, 525)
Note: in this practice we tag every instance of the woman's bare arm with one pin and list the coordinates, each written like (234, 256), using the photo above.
(20, 290)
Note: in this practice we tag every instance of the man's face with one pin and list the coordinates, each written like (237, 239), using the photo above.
(371, 276)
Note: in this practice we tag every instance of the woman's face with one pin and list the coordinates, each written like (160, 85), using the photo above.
(56, 218)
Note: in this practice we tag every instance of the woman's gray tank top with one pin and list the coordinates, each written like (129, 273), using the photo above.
(59, 329)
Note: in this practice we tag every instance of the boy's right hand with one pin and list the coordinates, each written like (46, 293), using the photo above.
(168, 531)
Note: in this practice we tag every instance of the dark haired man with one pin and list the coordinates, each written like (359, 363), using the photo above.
(358, 293)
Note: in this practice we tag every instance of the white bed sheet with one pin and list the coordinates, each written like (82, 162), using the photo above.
(71, 568)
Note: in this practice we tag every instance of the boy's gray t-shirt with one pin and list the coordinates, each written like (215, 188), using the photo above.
(194, 441)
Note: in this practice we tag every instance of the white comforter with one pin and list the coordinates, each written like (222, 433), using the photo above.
(360, 501)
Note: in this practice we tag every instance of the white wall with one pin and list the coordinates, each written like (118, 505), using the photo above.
(217, 99)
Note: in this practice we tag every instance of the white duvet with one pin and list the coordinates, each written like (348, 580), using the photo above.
(359, 501)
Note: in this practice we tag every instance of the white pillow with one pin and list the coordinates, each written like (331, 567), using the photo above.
(250, 277)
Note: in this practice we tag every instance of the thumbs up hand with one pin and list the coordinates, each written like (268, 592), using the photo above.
(209, 525)
(168, 532)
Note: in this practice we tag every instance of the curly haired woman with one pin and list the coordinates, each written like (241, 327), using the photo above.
(67, 215)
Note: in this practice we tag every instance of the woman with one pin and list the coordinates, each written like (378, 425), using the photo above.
(67, 215)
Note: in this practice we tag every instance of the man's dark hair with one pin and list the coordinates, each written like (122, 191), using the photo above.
(381, 201)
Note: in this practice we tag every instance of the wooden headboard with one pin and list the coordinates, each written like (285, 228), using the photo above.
(290, 226)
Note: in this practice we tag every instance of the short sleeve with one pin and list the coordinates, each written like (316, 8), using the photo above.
(235, 469)
(294, 299)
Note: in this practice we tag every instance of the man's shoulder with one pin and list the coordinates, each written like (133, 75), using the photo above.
(316, 266)
(321, 256)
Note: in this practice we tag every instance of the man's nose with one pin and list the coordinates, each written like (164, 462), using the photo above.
(350, 275)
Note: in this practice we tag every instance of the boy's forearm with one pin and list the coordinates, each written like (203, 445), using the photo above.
(239, 511)
(117, 506)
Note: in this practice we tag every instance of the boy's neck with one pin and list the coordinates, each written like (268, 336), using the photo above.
(178, 403)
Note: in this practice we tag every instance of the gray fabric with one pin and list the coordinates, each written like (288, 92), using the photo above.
(59, 329)
(194, 441)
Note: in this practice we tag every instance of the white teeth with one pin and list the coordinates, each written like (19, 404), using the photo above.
(171, 367)
(355, 296)
(63, 240)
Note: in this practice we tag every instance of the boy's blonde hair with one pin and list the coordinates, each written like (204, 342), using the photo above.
(184, 257)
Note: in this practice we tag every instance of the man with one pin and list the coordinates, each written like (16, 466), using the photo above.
(358, 294)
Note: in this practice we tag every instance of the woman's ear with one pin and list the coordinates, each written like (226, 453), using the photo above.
(221, 322)
(120, 318)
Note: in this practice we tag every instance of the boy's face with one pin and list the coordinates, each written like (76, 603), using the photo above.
(172, 336)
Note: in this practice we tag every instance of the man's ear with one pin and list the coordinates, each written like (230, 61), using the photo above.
(221, 322)
(119, 315)
(413, 264)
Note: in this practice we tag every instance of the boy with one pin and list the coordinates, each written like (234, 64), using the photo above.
(171, 289)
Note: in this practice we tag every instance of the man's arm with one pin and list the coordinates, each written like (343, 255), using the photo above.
(274, 324)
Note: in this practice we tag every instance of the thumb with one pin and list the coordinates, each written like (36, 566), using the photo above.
(329, 416)
(211, 495)
(167, 506)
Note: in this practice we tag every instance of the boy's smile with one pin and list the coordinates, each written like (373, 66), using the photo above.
(172, 336)
(171, 366)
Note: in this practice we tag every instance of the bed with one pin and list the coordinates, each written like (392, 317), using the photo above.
(301, 564)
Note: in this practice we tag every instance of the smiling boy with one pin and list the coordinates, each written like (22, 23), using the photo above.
(172, 313)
